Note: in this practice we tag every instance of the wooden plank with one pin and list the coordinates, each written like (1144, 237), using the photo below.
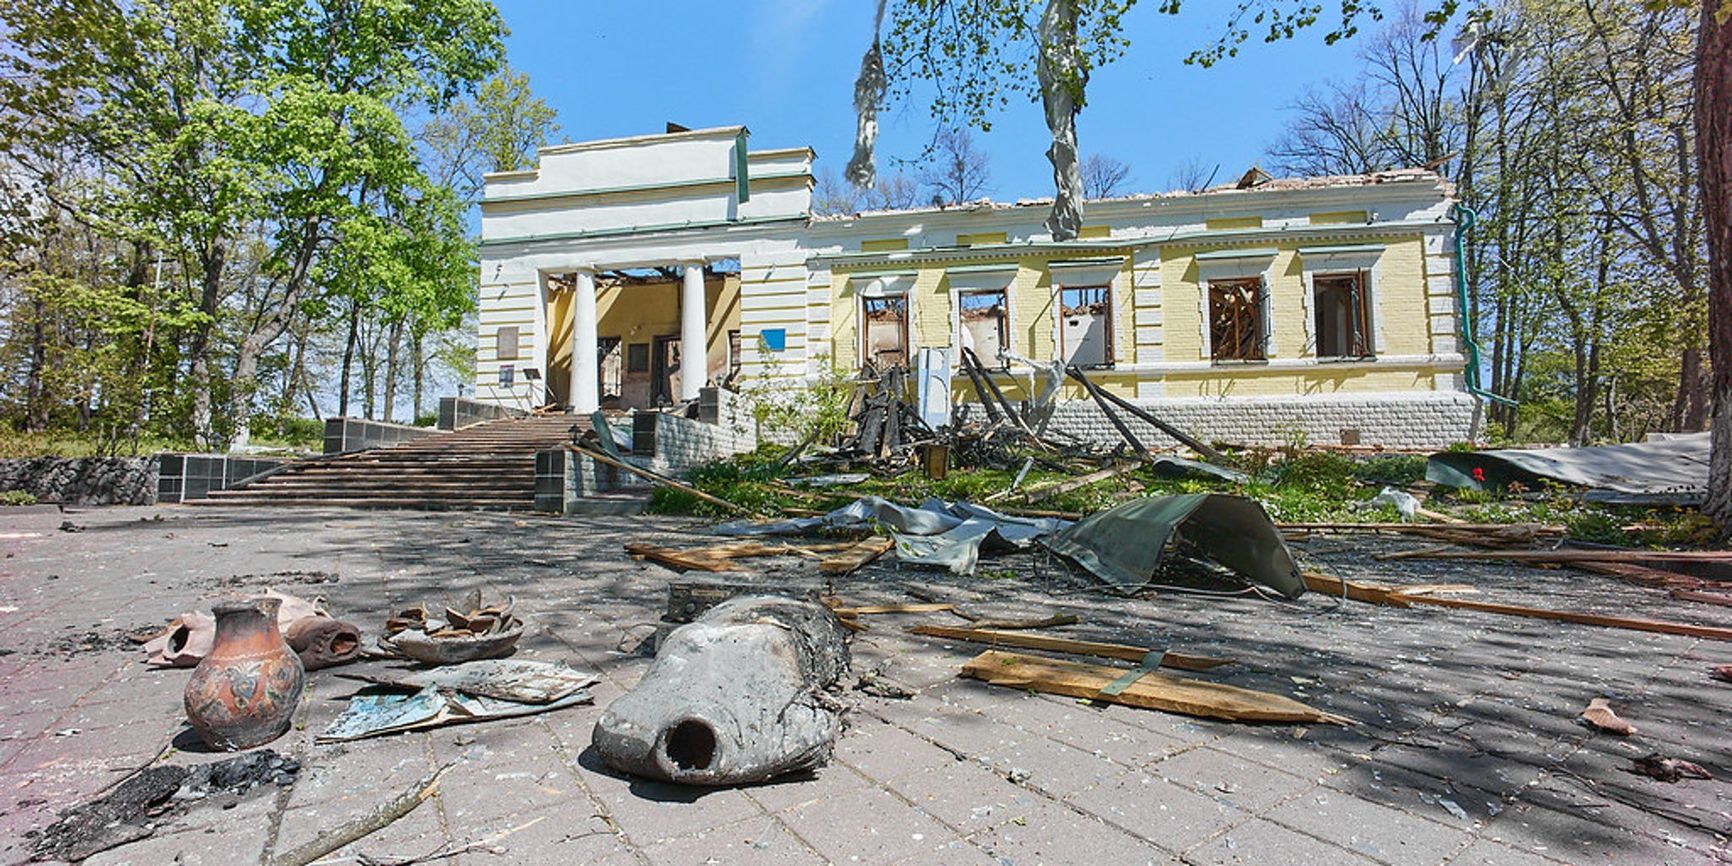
(719, 557)
(1124, 652)
(1047, 491)
(870, 609)
(1464, 529)
(1056, 619)
(680, 559)
(1154, 691)
(1397, 597)
(747, 549)
(1575, 555)
(856, 556)
(1720, 599)
(1147, 417)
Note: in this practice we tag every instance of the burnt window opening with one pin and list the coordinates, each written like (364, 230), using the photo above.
(984, 317)
(1086, 326)
(886, 331)
(609, 366)
(1343, 314)
(1236, 330)
(637, 358)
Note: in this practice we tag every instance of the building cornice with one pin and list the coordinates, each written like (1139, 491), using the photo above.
(641, 189)
(633, 140)
(1099, 211)
(645, 231)
(1224, 238)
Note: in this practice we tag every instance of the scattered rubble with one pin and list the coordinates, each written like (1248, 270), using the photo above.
(1664, 769)
(1599, 715)
(318, 638)
(135, 807)
(474, 691)
(470, 631)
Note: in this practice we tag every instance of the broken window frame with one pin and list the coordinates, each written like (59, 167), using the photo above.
(995, 361)
(637, 358)
(616, 387)
(1108, 351)
(1258, 327)
(887, 299)
(1365, 346)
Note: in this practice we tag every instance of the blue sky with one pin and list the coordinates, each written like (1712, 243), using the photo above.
(785, 68)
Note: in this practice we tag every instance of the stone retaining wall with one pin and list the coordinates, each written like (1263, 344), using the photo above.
(455, 413)
(83, 480)
(357, 434)
(660, 442)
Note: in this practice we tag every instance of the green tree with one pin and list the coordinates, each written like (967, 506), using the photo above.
(974, 57)
(245, 142)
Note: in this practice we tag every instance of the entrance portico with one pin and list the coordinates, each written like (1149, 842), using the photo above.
(642, 336)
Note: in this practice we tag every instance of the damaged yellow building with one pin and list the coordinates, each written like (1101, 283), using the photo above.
(1258, 312)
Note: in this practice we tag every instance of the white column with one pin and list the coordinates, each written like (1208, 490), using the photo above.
(585, 377)
(694, 357)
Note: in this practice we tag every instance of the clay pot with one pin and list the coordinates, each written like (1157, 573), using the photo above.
(243, 694)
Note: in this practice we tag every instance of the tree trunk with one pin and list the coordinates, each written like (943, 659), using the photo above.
(418, 352)
(269, 328)
(210, 294)
(345, 379)
(393, 356)
(369, 373)
(35, 389)
(1689, 413)
(1714, 150)
(241, 400)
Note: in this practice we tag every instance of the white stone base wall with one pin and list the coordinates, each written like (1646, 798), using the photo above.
(682, 443)
(1415, 421)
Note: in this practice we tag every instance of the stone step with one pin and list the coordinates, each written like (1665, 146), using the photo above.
(377, 504)
(405, 473)
(459, 491)
(394, 484)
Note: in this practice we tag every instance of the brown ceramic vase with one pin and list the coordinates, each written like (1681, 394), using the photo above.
(243, 694)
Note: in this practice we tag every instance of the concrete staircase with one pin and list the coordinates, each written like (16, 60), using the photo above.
(485, 466)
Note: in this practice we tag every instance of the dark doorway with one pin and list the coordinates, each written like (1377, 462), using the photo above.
(665, 370)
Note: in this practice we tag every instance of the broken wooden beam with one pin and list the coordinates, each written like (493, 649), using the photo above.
(1717, 598)
(871, 609)
(856, 556)
(659, 478)
(1052, 621)
(680, 559)
(1047, 491)
(1153, 690)
(1149, 418)
(1395, 596)
(1123, 652)
(719, 557)
(1452, 530)
(1572, 555)
(1100, 398)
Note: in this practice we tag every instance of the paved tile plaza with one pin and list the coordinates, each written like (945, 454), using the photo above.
(1467, 750)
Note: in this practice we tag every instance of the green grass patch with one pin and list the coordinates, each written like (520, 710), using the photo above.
(1308, 487)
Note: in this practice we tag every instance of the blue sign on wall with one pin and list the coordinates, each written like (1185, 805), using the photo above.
(775, 339)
